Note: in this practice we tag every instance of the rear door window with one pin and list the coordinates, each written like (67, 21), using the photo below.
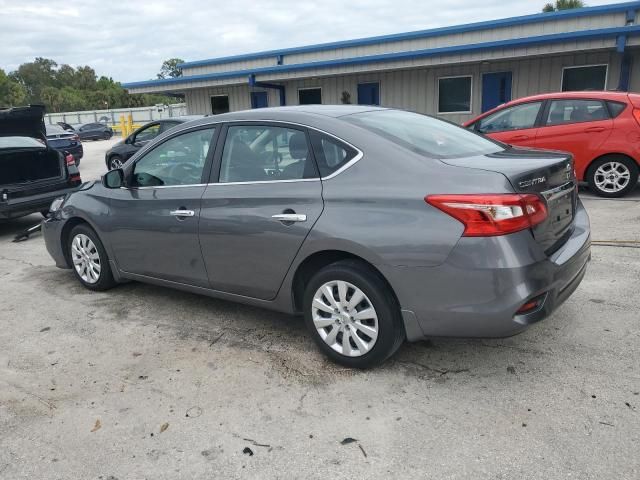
(258, 153)
(517, 117)
(575, 111)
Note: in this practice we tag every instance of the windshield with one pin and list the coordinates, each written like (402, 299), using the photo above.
(423, 134)
(55, 130)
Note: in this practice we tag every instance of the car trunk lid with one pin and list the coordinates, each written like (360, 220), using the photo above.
(63, 140)
(23, 122)
(546, 173)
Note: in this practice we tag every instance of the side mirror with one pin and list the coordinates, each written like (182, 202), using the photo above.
(113, 178)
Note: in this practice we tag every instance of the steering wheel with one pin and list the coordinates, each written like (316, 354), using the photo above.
(182, 170)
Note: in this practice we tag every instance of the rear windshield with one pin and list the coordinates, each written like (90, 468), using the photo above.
(423, 134)
(55, 130)
(20, 142)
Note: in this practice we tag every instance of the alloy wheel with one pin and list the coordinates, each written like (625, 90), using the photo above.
(345, 318)
(86, 259)
(115, 163)
(612, 177)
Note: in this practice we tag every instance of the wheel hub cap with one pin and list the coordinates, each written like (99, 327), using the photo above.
(345, 318)
(611, 177)
(86, 259)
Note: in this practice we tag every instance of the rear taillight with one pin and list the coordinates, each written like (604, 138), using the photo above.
(69, 160)
(636, 115)
(487, 215)
(75, 138)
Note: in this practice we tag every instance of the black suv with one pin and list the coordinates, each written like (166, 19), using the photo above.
(123, 150)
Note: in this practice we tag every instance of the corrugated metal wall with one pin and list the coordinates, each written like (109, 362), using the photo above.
(417, 89)
(472, 37)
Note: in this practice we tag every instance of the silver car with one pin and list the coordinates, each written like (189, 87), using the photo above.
(377, 225)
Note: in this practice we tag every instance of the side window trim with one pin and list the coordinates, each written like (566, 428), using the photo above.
(547, 108)
(205, 170)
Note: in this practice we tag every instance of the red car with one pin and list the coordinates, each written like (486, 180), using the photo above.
(600, 129)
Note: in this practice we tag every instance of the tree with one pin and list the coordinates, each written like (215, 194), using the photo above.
(65, 88)
(12, 93)
(170, 68)
(563, 5)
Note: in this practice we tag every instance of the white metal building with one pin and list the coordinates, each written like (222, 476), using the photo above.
(455, 72)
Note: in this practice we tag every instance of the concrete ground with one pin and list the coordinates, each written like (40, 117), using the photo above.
(146, 382)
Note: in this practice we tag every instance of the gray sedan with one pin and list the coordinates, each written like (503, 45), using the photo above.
(377, 225)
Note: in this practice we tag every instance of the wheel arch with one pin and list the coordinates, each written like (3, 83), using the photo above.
(605, 155)
(69, 225)
(315, 261)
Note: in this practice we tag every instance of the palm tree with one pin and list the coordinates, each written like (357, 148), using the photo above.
(563, 5)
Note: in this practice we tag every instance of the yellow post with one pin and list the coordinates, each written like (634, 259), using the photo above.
(129, 124)
(123, 128)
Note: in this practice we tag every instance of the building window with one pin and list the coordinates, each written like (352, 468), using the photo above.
(589, 77)
(219, 104)
(369, 94)
(310, 96)
(454, 94)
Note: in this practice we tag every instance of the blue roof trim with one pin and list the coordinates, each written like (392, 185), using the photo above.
(602, 33)
(504, 22)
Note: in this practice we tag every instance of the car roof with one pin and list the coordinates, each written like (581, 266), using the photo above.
(598, 94)
(334, 111)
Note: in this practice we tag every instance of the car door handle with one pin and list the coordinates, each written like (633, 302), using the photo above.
(594, 129)
(290, 217)
(182, 213)
(520, 137)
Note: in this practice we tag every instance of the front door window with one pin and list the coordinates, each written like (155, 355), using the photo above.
(178, 161)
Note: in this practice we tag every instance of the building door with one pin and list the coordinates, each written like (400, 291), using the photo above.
(259, 100)
(496, 89)
(368, 94)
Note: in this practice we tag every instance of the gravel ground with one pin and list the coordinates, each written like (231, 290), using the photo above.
(146, 382)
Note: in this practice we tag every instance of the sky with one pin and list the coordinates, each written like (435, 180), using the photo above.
(128, 40)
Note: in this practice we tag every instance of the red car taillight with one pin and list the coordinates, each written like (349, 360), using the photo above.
(70, 160)
(75, 138)
(487, 215)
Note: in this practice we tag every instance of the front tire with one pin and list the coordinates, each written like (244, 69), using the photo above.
(115, 162)
(352, 315)
(613, 176)
(89, 259)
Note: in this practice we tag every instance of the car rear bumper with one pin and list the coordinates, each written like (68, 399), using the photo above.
(21, 206)
(485, 281)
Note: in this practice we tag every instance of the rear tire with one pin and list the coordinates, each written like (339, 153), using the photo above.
(89, 259)
(352, 314)
(106, 136)
(612, 176)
